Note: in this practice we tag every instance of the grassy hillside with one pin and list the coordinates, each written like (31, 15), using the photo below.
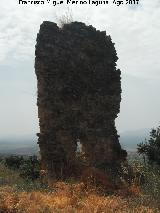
(22, 195)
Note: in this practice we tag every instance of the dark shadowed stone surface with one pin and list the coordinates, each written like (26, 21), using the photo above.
(79, 94)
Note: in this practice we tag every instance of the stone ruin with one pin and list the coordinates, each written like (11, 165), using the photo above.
(79, 94)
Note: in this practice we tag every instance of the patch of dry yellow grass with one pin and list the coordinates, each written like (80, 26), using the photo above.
(71, 198)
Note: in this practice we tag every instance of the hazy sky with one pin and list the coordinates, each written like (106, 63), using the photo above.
(135, 30)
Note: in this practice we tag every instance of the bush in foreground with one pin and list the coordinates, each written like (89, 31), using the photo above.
(28, 168)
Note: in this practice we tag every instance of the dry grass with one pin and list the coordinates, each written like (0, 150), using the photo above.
(72, 198)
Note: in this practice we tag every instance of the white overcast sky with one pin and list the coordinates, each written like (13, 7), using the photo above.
(135, 30)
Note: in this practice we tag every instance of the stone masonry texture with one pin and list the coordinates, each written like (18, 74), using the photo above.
(79, 94)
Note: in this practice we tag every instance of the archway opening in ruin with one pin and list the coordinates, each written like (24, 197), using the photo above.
(79, 146)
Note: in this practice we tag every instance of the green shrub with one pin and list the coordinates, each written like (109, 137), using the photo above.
(151, 148)
(30, 169)
(14, 162)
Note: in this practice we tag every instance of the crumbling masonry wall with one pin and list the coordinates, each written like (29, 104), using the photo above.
(79, 94)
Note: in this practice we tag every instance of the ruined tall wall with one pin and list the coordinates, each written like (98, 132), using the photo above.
(79, 94)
